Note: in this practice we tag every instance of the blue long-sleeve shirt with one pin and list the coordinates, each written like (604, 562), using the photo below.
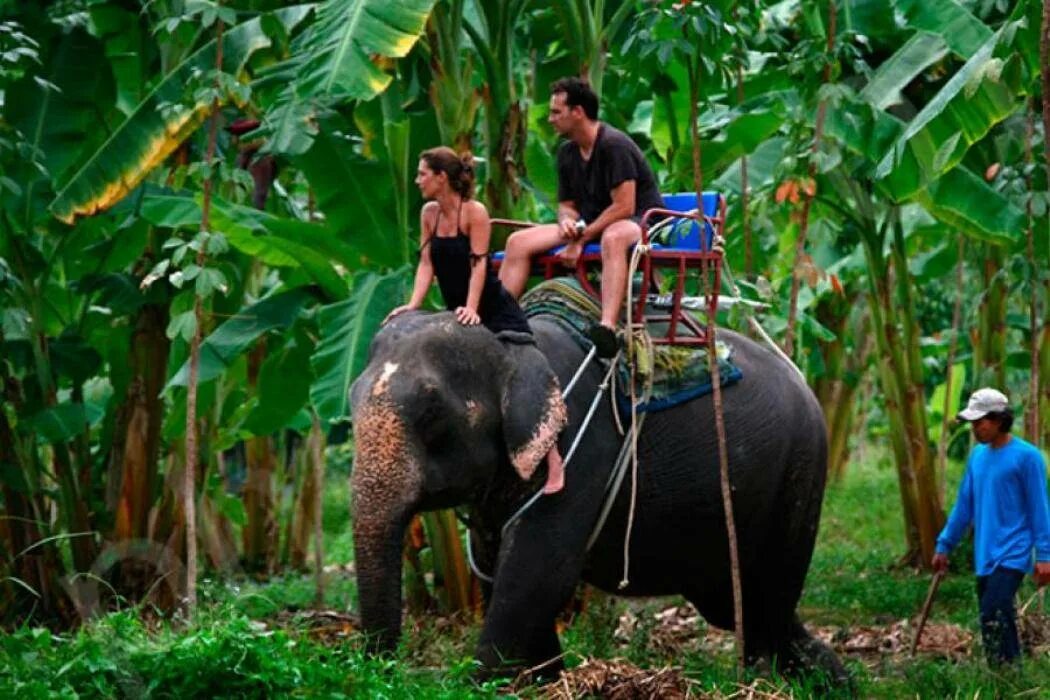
(1003, 494)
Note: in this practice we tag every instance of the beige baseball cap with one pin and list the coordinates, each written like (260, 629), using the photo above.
(982, 402)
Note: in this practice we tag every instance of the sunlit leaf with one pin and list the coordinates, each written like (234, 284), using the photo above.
(148, 136)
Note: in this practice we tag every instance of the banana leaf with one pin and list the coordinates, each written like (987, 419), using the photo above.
(333, 59)
(356, 198)
(960, 29)
(61, 121)
(966, 202)
(236, 335)
(338, 59)
(871, 18)
(284, 384)
(985, 91)
(347, 329)
(958, 198)
(261, 235)
(149, 135)
(920, 52)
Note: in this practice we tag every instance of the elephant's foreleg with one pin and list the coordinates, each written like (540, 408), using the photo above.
(538, 570)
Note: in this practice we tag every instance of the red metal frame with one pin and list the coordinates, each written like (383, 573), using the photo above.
(704, 259)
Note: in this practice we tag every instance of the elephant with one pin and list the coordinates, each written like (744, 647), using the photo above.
(446, 415)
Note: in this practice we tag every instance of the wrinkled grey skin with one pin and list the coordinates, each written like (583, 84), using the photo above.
(440, 411)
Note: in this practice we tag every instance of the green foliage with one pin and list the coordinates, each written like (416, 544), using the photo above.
(347, 328)
(151, 133)
(277, 311)
(331, 62)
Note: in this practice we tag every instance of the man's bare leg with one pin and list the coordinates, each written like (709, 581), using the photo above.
(616, 241)
(522, 246)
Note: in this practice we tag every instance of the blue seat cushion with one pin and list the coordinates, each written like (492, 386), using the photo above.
(681, 234)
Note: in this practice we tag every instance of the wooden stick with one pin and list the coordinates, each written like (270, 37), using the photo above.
(925, 613)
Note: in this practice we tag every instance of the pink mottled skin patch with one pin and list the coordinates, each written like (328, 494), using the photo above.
(528, 457)
(385, 478)
(474, 413)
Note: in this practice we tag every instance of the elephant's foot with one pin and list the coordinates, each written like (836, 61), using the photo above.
(540, 662)
(802, 655)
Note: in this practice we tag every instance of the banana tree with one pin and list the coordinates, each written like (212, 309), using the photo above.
(452, 88)
(504, 123)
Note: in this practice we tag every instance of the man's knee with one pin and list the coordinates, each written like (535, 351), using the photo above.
(620, 236)
(528, 242)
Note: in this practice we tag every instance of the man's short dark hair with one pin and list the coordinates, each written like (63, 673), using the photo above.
(578, 93)
(1004, 418)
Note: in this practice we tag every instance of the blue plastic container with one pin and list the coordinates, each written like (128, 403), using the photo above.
(685, 233)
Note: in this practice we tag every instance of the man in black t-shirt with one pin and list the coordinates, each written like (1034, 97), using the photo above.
(604, 185)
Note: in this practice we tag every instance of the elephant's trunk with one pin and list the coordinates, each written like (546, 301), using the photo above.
(386, 486)
(377, 554)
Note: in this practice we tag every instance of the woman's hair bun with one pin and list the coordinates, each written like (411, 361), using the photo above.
(466, 159)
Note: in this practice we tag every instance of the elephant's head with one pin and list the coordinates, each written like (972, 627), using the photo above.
(441, 413)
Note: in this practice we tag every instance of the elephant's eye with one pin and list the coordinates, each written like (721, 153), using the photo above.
(433, 420)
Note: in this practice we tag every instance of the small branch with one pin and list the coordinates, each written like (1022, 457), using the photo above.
(189, 477)
(800, 244)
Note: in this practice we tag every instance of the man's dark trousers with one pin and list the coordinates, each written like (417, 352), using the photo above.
(995, 595)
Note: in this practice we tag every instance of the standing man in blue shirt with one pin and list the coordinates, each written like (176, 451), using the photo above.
(1003, 495)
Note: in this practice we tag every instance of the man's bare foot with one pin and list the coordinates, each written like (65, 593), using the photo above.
(570, 254)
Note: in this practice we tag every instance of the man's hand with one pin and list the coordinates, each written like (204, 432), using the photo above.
(568, 229)
(940, 562)
(570, 254)
(467, 316)
(1042, 573)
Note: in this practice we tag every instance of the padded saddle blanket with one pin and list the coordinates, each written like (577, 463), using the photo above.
(678, 373)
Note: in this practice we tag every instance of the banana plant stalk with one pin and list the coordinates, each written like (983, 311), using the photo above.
(953, 346)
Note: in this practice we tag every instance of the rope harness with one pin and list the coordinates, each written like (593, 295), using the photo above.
(638, 342)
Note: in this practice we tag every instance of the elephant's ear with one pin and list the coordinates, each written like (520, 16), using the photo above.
(532, 407)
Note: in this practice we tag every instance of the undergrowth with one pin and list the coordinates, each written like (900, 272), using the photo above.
(250, 640)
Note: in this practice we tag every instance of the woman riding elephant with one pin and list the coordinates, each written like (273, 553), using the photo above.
(446, 416)
(455, 231)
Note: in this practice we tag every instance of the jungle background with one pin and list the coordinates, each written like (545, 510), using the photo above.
(207, 208)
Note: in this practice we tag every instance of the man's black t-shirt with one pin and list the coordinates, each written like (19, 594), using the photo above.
(614, 159)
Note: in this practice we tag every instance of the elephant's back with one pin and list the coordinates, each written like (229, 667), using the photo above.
(777, 453)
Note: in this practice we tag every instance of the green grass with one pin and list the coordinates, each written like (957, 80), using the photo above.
(250, 639)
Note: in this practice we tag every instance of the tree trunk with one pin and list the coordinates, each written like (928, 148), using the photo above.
(39, 569)
(451, 575)
(900, 374)
(136, 445)
(306, 503)
(260, 530)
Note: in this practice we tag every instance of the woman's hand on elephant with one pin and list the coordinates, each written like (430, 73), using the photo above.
(399, 310)
(467, 316)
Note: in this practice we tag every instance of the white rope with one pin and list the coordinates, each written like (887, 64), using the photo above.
(572, 450)
(636, 256)
(612, 487)
(756, 326)
(579, 372)
(473, 566)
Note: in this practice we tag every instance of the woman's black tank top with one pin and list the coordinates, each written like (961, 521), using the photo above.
(453, 261)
